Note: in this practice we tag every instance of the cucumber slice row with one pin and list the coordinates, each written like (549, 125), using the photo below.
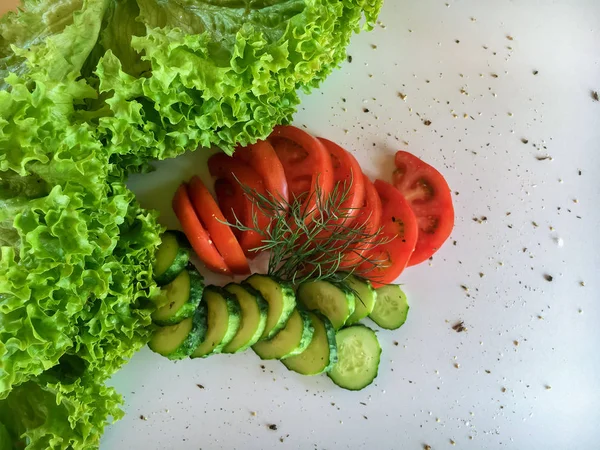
(172, 257)
(224, 318)
(334, 301)
(359, 353)
(391, 308)
(321, 354)
(281, 299)
(180, 340)
(291, 340)
(254, 311)
(182, 296)
(365, 298)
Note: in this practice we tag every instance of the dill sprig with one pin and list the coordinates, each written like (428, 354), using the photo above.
(310, 243)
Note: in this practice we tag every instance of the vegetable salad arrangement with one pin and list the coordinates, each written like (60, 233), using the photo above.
(94, 90)
(335, 241)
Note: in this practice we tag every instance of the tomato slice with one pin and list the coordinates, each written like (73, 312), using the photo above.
(429, 196)
(369, 219)
(196, 234)
(263, 159)
(399, 226)
(213, 220)
(306, 163)
(348, 177)
(236, 172)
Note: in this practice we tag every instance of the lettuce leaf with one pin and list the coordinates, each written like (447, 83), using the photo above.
(91, 91)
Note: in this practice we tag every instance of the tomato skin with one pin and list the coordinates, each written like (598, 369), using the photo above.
(346, 172)
(263, 159)
(430, 198)
(369, 218)
(236, 172)
(213, 220)
(399, 226)
(306, 163)
(196, 233)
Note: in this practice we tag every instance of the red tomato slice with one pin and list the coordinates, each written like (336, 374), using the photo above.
(429, 196)
(227, 198)
(196, 234)
(307, 165)
(346, 172)
(263, 159)
(236, 172)
(212, 218)
(399, 225)
(369, 219)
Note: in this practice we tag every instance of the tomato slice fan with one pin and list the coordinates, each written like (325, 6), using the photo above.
(369, 221)
(239, 174)
(212, 218)
(306, 163)
(429, 196)
(349, 180)
(263, 159)
(196, 233)
(399, 226)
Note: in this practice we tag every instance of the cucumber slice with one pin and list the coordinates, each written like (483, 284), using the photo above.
(391, 307)
(358, 358)
(183, 295)
(180, 340)
(254, 310)
(224, 319)
(333, 300)
(365, 298)
(281, 299)
(321, 353)
(291, 339)
(172, 257)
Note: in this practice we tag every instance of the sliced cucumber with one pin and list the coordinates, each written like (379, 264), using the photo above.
(172, 257)
(365, 298)
(182, 296)
(358, 358)
(180, 340)
(281, 299)
(291, 339)
(224, 319)
(333, 300)
(254, 310)
(391, 307)
(321, 353)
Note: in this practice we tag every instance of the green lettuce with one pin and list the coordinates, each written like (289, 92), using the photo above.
(91, 91)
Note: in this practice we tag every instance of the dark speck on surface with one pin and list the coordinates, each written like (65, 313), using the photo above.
(273, 427)
(548, 277)
(365, 110)
(200, 386)
(595, 96)
(349, 58)
(427, 122)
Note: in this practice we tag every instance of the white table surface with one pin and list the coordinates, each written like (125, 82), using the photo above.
(526, 373)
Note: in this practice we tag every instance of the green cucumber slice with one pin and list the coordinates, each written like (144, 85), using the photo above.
(365, 298)
(180, 340)
(254, 310)
(281, 299)
(182, 296)
(333, 300)
(391, 307)
(172, 257)
(291, 340)
(321, 353)
(224, 319)
(359, 353)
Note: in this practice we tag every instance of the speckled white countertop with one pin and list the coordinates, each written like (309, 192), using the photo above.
(507, 86)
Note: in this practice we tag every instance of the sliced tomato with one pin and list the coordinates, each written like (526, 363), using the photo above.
(263, 159)
(369, 220)
(212, 218)
(429, 196)
(228, 200)
(239, 174)
(306, 163)
(348, 177)
(196, 233)
(399, 226)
